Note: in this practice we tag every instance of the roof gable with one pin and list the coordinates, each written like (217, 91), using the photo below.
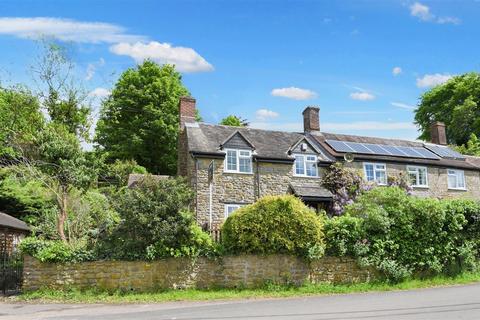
(237, 141)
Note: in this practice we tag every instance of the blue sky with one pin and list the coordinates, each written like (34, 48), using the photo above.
(364, 63)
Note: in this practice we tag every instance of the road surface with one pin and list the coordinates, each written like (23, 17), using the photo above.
(460, 302)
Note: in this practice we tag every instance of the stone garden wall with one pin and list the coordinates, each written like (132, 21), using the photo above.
(227, 272)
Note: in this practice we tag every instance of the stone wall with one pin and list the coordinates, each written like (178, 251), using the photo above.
(175, 273)
(237, 188)
(437, 181)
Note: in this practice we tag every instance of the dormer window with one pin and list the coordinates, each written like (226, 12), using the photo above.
(305, 165)
(238, 161)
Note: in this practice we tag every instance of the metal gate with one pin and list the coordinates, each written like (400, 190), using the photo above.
(11, 272)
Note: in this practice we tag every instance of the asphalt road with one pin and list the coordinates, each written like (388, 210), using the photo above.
(461, 302)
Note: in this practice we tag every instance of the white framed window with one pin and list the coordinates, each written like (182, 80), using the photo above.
(456, 179)
(230, 208)
(238, 161)
(305, 165)
(418, 176)
(376, 172)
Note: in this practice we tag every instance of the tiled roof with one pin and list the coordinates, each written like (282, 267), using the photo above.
(311, 192)
(207, 138)
(11, 222)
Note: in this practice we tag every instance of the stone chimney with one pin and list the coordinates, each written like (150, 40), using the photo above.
(311, 119)
(186, 110)
(437, 133)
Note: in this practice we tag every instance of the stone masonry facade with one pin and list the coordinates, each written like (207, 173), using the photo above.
(246, 271)
(235, 188)
(437, 181)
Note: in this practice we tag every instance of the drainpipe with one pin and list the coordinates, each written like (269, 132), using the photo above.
(196, 186)
(257, 193)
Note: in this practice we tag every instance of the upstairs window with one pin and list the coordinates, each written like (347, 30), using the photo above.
(418, 176)
(239, 161)
(456, 179)
(306, 165)
(376, 172)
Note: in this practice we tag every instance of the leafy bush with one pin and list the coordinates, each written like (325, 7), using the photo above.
(341, 235)
(274, 224)
(53, 250)
(155, 223)
(403, 235)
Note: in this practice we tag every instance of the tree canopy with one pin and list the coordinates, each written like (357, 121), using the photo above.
(20, 119)
(234, 121)
(140, 119)
(457, 104)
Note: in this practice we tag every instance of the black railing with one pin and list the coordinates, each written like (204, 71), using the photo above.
(11, 272)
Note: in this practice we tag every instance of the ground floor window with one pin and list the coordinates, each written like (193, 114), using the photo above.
(456, 179)
(230, 208)
(376, 172)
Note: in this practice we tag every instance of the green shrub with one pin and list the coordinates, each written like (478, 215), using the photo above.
(155, 223)
(405, 235)
(53, 250)
(274, 224)
(341, 235)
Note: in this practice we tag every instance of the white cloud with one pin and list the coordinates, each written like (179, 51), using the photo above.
(431, 80)
(402, 105)
(90, 71)
(264, 114)
(99, 93)
(294, 93)
(422, 12)
(396, 71)
(92, 68)
(185, 59)
(452, 20)
(362, 96)
(65, 30)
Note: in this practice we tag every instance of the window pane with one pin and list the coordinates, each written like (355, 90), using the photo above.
(452, 181)
(422, 176)
(381, 177)
(413, 178)
(461, 179)
(369, 175)
(232, 160)
(244, 153)
(311, 169)
(299, 165)
(311, 158)
(245, 165)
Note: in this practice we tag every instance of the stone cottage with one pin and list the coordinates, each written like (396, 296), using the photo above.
(229, 167)
(12, 231)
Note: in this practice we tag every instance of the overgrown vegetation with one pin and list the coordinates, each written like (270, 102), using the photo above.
(274, 224)
(403, 236)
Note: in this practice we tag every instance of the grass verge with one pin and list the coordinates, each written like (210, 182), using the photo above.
(268, 291)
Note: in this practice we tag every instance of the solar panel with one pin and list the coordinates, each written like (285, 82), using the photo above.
(376, 149)
(339, 146)
(445, 152)
(358, 147)
(427, 153)
(394, 151)
(387, 150)
(410, 152)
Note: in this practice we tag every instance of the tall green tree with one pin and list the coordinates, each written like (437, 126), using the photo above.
(457, 104)
(140, 119)
(20, 120)
(472, 147)
(61, 167)
(234, 121)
